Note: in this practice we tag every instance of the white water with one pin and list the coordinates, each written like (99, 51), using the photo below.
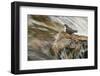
(77, 23)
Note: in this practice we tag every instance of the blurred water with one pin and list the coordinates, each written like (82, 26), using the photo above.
(40, 49)
(77, 23)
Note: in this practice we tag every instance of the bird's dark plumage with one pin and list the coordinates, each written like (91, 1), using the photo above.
(69, 30)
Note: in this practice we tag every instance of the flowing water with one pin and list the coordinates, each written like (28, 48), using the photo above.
(48, 39)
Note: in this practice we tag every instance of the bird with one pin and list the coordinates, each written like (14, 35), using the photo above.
(69, 30)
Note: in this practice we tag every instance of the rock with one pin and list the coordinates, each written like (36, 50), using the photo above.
(72, 46)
